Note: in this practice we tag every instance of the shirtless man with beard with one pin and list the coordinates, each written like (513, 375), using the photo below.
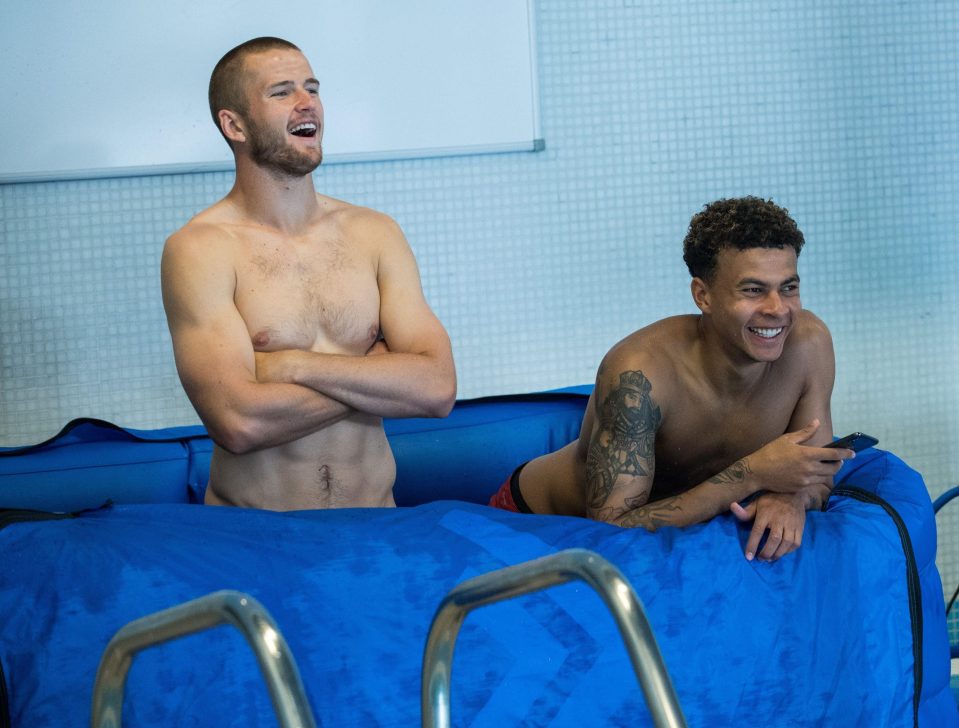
(693, 414)
(298, 321)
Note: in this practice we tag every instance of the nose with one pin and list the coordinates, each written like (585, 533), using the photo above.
(774, 304)
(304, 99)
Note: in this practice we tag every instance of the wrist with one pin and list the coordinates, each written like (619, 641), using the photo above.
(737, 480)
(289, 366)
(750, 480)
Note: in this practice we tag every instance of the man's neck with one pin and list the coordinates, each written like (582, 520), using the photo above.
(272, 199)
(728, 370)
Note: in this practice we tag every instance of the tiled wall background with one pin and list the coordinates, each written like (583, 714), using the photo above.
(844, 111)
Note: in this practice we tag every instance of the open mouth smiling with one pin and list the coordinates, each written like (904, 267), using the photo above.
(766, 333)
(306, 129)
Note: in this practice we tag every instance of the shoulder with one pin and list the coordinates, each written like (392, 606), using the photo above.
(809, 356)
(208, 229)
(658, 347)
(811, 336)
(361, 222)
(652, 355)
(201, 254)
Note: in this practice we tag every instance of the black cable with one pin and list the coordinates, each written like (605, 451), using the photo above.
(953, 600)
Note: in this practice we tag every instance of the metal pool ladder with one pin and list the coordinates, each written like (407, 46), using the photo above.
(535, 575)
(243, 612)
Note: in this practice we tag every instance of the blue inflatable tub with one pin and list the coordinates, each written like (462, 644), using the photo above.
(102, 526)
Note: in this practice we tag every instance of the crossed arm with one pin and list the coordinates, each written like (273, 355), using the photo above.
(413, 374)
(249, 400)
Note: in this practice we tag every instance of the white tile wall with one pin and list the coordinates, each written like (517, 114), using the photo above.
(845, 112)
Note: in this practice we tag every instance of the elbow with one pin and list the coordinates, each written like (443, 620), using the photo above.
(443, 406)
(443, 399)
(435, 389)
(236, 435)
(434, 397)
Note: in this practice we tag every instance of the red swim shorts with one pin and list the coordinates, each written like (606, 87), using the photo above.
(508, 497)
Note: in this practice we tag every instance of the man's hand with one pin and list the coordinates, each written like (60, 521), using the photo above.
(277, 366)
(788, 465)
(782, 515)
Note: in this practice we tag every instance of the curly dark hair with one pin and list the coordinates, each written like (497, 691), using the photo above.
(740, 223)
(226, 82)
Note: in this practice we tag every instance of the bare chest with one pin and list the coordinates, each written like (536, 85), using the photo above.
(701, 436)
(322, 297)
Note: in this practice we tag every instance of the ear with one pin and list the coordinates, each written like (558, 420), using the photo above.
(232, 125)
(700, 290)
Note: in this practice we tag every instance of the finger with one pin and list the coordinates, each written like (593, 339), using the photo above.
(755, 536)
(803, 434)
(787, 546)
(743, 514)
(823, 474)
(795, 540)
(773, 542)
(835, 454)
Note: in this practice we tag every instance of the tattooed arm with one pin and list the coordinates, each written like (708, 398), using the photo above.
(621, 462)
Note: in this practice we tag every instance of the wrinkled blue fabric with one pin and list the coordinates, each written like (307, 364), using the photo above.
(822, 637)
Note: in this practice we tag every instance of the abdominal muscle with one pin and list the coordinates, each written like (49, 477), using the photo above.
(348, 464)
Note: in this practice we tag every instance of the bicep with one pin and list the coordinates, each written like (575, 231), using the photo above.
(814, 402)
(406, 319)
(211, 344)
(621, 458)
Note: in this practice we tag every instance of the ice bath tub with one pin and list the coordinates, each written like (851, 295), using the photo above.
(849, 630)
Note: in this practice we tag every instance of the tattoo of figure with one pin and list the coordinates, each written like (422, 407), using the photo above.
(733, 475)
(626, 442)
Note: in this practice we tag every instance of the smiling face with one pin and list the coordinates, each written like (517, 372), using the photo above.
(284, 117)
(752, 301)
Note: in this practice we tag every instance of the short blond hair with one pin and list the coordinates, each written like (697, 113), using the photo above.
(227, 90)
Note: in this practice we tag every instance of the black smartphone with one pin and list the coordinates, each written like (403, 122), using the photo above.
(856, 441)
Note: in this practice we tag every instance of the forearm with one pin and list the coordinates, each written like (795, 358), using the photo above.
(710, 498)
(257, 416)
(391, 384)
(696, 505)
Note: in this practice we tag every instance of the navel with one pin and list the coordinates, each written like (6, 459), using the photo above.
(324, 477)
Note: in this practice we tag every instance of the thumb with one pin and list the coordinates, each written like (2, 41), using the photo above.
(803, 434)
(743, 514)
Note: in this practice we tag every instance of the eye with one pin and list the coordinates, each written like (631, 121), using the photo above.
(279, 93)
(791, 289)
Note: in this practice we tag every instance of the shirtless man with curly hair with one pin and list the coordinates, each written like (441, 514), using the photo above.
(696, 413)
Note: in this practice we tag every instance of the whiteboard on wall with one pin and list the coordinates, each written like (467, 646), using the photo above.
(105, 88)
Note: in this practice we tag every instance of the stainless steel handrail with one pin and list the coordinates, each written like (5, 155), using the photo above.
(532, 576)
(233, 607)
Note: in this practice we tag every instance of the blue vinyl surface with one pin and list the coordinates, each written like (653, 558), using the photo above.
(823, 637)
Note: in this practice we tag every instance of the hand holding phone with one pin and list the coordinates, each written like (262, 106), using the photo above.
(856, 441)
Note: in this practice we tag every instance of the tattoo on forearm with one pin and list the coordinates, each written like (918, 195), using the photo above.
(654, 515)
(626, 442)
(733, 475)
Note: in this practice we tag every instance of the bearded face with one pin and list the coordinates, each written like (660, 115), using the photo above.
(270, 148)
